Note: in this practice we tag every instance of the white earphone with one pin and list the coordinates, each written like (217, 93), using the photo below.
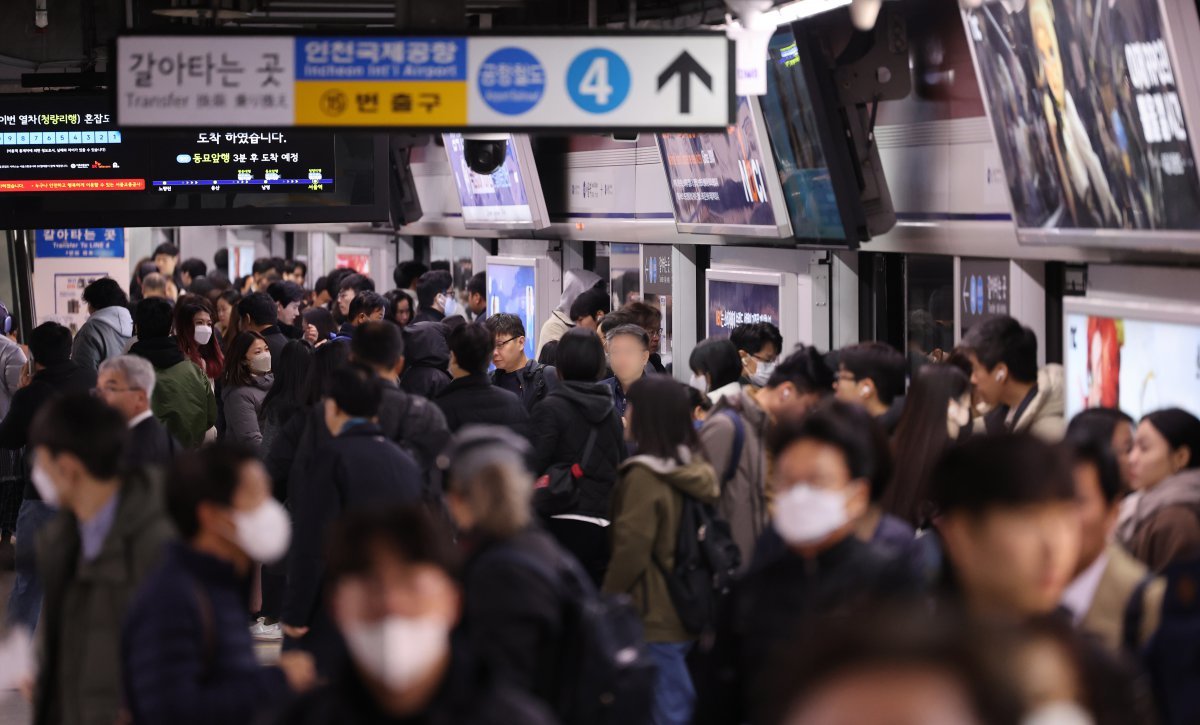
(864, 390)
(1000, 376)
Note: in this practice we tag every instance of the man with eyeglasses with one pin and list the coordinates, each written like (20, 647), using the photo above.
(126, 383)
(515, 372)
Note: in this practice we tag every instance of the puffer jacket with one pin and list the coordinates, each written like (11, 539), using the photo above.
(561, 425)
(243, 403)
(426, 359)
(647, 506)
(1165, 524)
(744, 497)
(104, 335)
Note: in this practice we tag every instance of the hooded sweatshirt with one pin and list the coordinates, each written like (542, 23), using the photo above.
(183, 400)
(104, 335)
(576, 282)
(561, 425)
(426, 359)
(647, 506)
(1165, 524)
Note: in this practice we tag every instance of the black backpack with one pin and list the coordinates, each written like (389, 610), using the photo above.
(706, 561)
(606, 675)
(1171, 657)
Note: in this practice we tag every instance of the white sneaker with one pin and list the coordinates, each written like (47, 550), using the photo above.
(269, 632)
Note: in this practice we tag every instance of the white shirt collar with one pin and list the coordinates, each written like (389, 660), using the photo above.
(137, 419)
(1078, 595)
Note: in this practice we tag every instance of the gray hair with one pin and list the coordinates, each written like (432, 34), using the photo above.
(631, 330)
(138, 372)
(485, 466)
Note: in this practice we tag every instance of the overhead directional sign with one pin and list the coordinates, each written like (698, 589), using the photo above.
(649, 82)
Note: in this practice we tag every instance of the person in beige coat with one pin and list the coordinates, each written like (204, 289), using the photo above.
(1005, 376)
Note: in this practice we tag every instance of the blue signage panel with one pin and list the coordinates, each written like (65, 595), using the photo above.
(96, 243)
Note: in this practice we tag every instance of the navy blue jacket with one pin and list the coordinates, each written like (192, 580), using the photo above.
(191, 660)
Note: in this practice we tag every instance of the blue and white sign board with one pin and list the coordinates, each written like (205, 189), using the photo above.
(78, 243)
(636, 81)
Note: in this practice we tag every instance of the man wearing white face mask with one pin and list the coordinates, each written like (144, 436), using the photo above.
(394, 598)
(186, 651)
(822, 467)
(435, 295)
(109, 534)
(759, 345)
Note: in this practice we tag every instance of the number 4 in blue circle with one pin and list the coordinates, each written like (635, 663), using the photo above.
(598, 80)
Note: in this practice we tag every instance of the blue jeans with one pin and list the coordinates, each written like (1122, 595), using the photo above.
(25, 602)
(674, 695)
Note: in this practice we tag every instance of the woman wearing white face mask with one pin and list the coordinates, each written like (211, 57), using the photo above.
(394, 597)
(936, 411)
(823, 464)
(199, 341)
(186, 653)
(716, 369)
(244, 384)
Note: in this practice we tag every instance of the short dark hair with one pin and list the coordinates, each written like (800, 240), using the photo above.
(409, 534)
(221, 260)
(166, 248)
(643, 315)
(82, 425)
(589, 302)
(358, 282)
(431, 284)
(209, 475)
(105, 292)
(366, 302)
(662, 417)
(881, 363)
(260, 266)
(635, 331)
(1180, 428)
(613, 320)
(504, 324)
(806, 370)
(1005, 470)
(326, 359)
(285, 293)
(472, 346)
(378, 344)
(193, 267)
(356, 390)
(1004, 340)
(718, 358)
(335, 278)
(291, 266)
(753, 337)
(440, 264)
(1089, 451)
(50, 343)
(477, 285)
(408, 272)
(154, 318)
(580, 356)
(321, 285)
(259, 307)
(850, 429)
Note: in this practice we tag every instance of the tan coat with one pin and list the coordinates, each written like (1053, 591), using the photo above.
(1106, 616)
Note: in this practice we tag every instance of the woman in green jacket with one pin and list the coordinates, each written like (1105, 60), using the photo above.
(647, 505)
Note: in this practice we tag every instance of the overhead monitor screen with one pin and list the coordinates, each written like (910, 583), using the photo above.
(1137, 365)
(791, 117)
(720, 181)
(1085, 107)
(64, 162)
(512, 288)
(740, 303)
(506, 198)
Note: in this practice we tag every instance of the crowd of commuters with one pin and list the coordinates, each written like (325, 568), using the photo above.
(434, 525)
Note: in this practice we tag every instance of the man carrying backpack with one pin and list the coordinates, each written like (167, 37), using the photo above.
(515, 372)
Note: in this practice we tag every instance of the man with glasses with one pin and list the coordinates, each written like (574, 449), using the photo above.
(515, 372)
(758, 345)
(126, 383)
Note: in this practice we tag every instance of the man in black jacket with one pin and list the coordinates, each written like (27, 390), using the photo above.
(258, 313)
(435, 295)
(54, 374)
(126, 383)
(357, 469)
(412, 422)
(515, 372)
(427, 359)
(288, 297)
(471, 398)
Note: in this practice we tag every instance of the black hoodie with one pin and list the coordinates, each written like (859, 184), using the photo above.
(426, 359)
(561, 424)
(162, 352)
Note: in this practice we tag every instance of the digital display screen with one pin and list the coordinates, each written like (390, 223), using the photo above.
(740, 303)
(512, 288)
(64, 162)
(1137, 365)
(791, 119)
(1086, 112)
(497, 199)
(720, 179)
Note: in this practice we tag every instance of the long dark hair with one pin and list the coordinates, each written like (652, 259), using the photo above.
(719, 359)
(661, 420)
(237, 373)
(1180, 428)
(285, 398)
(920, 440)
(208, 356)
(328, 358)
